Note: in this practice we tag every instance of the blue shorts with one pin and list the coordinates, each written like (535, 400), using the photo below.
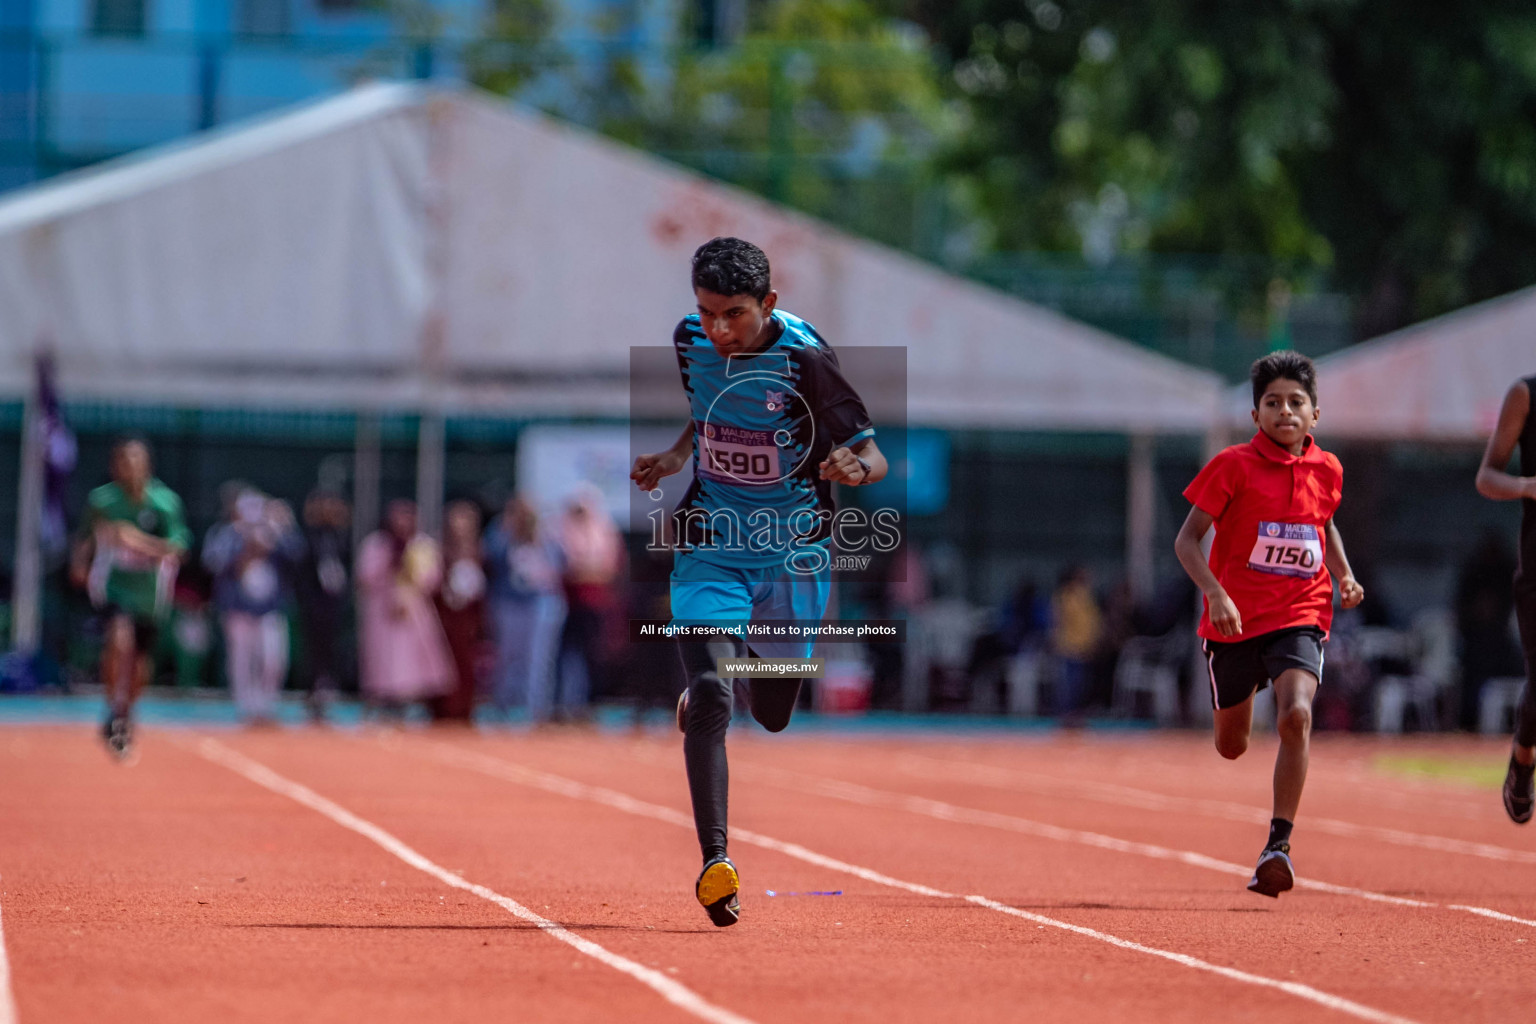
(707, 592)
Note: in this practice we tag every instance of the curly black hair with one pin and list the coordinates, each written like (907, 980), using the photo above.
(729, 266)
(1287, 365)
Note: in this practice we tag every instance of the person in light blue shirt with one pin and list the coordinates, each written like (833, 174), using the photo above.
(251, 556)
(526, 606)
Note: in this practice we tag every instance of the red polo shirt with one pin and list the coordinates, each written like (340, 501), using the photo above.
(1271, 512)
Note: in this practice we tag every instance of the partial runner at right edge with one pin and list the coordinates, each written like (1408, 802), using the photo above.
(1517, 426)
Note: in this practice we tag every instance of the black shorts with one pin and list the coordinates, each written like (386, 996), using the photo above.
(1238, 670)
(146, 632)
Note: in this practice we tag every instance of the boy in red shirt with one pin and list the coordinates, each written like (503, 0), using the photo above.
(1269, 583)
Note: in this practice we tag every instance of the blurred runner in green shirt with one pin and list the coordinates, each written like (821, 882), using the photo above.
(131, 541)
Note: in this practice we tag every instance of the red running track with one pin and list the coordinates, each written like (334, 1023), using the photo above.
(324, 876)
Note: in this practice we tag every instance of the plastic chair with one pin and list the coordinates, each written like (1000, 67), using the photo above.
(1497, 703)
(1143, 667)
(1024, 677)
(1431, 645)
(1395, 694)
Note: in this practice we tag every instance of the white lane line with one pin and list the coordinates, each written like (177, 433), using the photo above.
(534, 778)
(1496, 915)
(672, 991)
(867, 796)
(1294, 988)
(7, 997)
(852, 792)
(1142, 799)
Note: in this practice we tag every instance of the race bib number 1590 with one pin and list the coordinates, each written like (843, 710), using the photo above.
(736, 455)
(1287, 549)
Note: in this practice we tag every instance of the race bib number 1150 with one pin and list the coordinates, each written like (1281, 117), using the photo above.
(1287, 549)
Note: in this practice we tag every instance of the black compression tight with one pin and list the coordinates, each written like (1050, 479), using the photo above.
(1525, 614)
(708, 717)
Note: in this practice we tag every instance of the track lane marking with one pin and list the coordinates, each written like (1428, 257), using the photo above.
(1150, 800)
(7, 996)
(672, 991)
(511, 771)
(1496, 915)
(1294, 988)
(868, 796)
(852, 792)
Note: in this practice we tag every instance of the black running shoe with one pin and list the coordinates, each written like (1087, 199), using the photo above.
(682, 712)
(716, 889)
(1274, 874)
(118, 733)
(1519, 795)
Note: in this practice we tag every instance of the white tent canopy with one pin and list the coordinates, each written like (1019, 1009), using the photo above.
(1440, 380)
(405, 248)
(400, 247)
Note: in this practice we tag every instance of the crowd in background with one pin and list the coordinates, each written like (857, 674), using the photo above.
(523, 616)
(515, 614)
(1079, 649)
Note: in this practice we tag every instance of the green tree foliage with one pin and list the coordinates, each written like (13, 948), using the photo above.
(812, 77)
(822, 104)
(514, 47)
(1388, 144)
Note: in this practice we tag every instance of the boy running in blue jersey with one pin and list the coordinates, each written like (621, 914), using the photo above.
(774, 425)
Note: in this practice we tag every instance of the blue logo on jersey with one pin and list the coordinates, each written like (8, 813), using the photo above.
(775, 401)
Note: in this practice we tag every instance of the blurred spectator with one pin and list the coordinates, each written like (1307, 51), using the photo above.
(1174, 605)
(1344, 700)
(908, 588)
(5, 600)
(899, 680)
(192, 625)
(323, 578)
(402, 656)
(940, 635)
(1076, 627)
(461, 609)
(653, 671)
(1485, 605)
(527, 609)
(1120, 621)
(250, 555)
(593, 554)
(1019, 622)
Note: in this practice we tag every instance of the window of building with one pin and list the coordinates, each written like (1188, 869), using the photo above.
(118, 17)
(264, 17)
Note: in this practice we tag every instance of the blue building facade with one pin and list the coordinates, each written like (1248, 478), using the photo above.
(85, 80)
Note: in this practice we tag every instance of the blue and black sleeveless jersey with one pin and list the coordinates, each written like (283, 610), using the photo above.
(763, 423)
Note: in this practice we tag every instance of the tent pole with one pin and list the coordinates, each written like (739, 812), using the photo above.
(29, 556)
(1140, 513)
(429, 473)
(365, 478)
(431, 435)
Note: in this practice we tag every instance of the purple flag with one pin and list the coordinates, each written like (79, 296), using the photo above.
(59, 454)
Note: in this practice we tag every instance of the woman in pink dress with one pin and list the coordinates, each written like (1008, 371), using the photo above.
(403, 656)
(460, 604)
